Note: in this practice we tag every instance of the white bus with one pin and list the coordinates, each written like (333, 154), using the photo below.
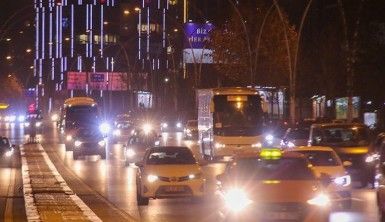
(230, 120)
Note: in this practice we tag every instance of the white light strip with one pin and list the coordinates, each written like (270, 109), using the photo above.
(148, 32)
(158, 4)
(49, 104)
(50, 44)
(37, 22)
(112, 64)
(101, 30)
(87, 28)
(72, 30)
(91, 31)
(52, 69)
(61, 31)
(43, 35)
(164, 28)
(107, 63)
(94, 64)
(139, 35)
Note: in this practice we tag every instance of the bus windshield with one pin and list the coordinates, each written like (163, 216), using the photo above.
(237, 115)
(81, 115)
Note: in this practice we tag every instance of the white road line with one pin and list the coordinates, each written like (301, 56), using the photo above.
(31, 210)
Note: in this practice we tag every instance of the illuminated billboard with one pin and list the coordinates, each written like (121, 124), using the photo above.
(76, 80)
(197, 37)
(113, 81)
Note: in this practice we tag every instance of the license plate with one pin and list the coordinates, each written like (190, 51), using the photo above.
(281, 216)
(174, 189)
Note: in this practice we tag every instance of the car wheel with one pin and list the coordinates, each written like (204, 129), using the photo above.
(76, 155)
(142, 201)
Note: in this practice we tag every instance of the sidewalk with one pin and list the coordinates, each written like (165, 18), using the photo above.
(46, 194)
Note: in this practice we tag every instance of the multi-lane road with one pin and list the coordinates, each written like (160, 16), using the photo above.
(108, 186)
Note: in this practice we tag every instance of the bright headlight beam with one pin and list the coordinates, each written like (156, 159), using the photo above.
(78, 143)
(102, 143)
(236, 199)
(152, 178)
(321, 200)
(104, 128)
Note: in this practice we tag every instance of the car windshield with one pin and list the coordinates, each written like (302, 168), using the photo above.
(279, 169)
(341, 136)
(298, 134)
(321, 158)
(170, 155)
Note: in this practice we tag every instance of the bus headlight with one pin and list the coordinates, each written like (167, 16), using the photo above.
(321, 200)
(179, 125)
(236, 199)
(38, 124)
(343, 181)
(77, 143)
(54, 117)
(152, 178)
(147, 128)
(26, 124)
(104, 128)
(8, 153)
(219, 145)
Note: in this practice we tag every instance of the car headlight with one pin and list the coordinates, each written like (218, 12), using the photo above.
(68, 137)
(78, 143)
(195, 176)
(256, 145)
(12, 118)
(236, 199)
(179, 125)
(104, 128)
(164, 125)
(54, 117)
(26, 124)
(343, 181)
(371, 158)
(157, 143)
(130, 153)
(321, 200)
(117, 132)
(102, 143)
(21, 118)
(8, 153)
(269, 138)
(147, 128)
(38, 124)
(152, 178)
(219, 145)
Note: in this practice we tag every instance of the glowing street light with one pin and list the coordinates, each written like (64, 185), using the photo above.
(137, 9)
(8, 39)
(28, 50)
(126, 12)
(8, 57)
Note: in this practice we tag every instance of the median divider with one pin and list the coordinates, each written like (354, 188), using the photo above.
(46, 194)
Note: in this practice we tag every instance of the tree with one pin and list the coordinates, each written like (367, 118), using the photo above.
(10, 88)
(234, 60)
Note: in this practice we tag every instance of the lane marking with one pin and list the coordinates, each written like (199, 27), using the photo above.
(30, 206)
(8, 215)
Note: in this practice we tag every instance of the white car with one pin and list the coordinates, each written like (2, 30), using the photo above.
(326, 162)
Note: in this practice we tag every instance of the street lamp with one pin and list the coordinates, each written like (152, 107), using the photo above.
(28, 50)
(126, 12)
(8, 57)
(8, 39)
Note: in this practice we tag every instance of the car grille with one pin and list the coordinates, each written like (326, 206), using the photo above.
(173, 179)
(298, 209)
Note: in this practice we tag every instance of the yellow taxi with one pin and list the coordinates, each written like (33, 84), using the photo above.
(169, 172)
(271, 186)
(326, 162)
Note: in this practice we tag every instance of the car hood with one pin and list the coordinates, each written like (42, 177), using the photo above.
(285, 191)
(172, 170)
(333, 171)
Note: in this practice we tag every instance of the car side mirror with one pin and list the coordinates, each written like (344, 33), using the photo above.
(325, 179)
(139, 164)
(347, 163)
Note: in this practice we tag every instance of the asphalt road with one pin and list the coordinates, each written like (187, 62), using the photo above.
(108, 186)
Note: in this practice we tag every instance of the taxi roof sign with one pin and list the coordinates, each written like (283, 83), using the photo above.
(4, 105)
(271, 154)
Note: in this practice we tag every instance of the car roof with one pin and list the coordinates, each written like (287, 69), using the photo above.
(326, 125)
(311, 148)
(168, 147)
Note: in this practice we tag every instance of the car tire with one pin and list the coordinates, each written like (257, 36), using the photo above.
(75, 155)
(142, 201)
(103, 154)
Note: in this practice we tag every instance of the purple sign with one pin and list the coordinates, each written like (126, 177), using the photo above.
(197, 35)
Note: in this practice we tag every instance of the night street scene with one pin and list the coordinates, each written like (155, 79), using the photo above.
(192, 110)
